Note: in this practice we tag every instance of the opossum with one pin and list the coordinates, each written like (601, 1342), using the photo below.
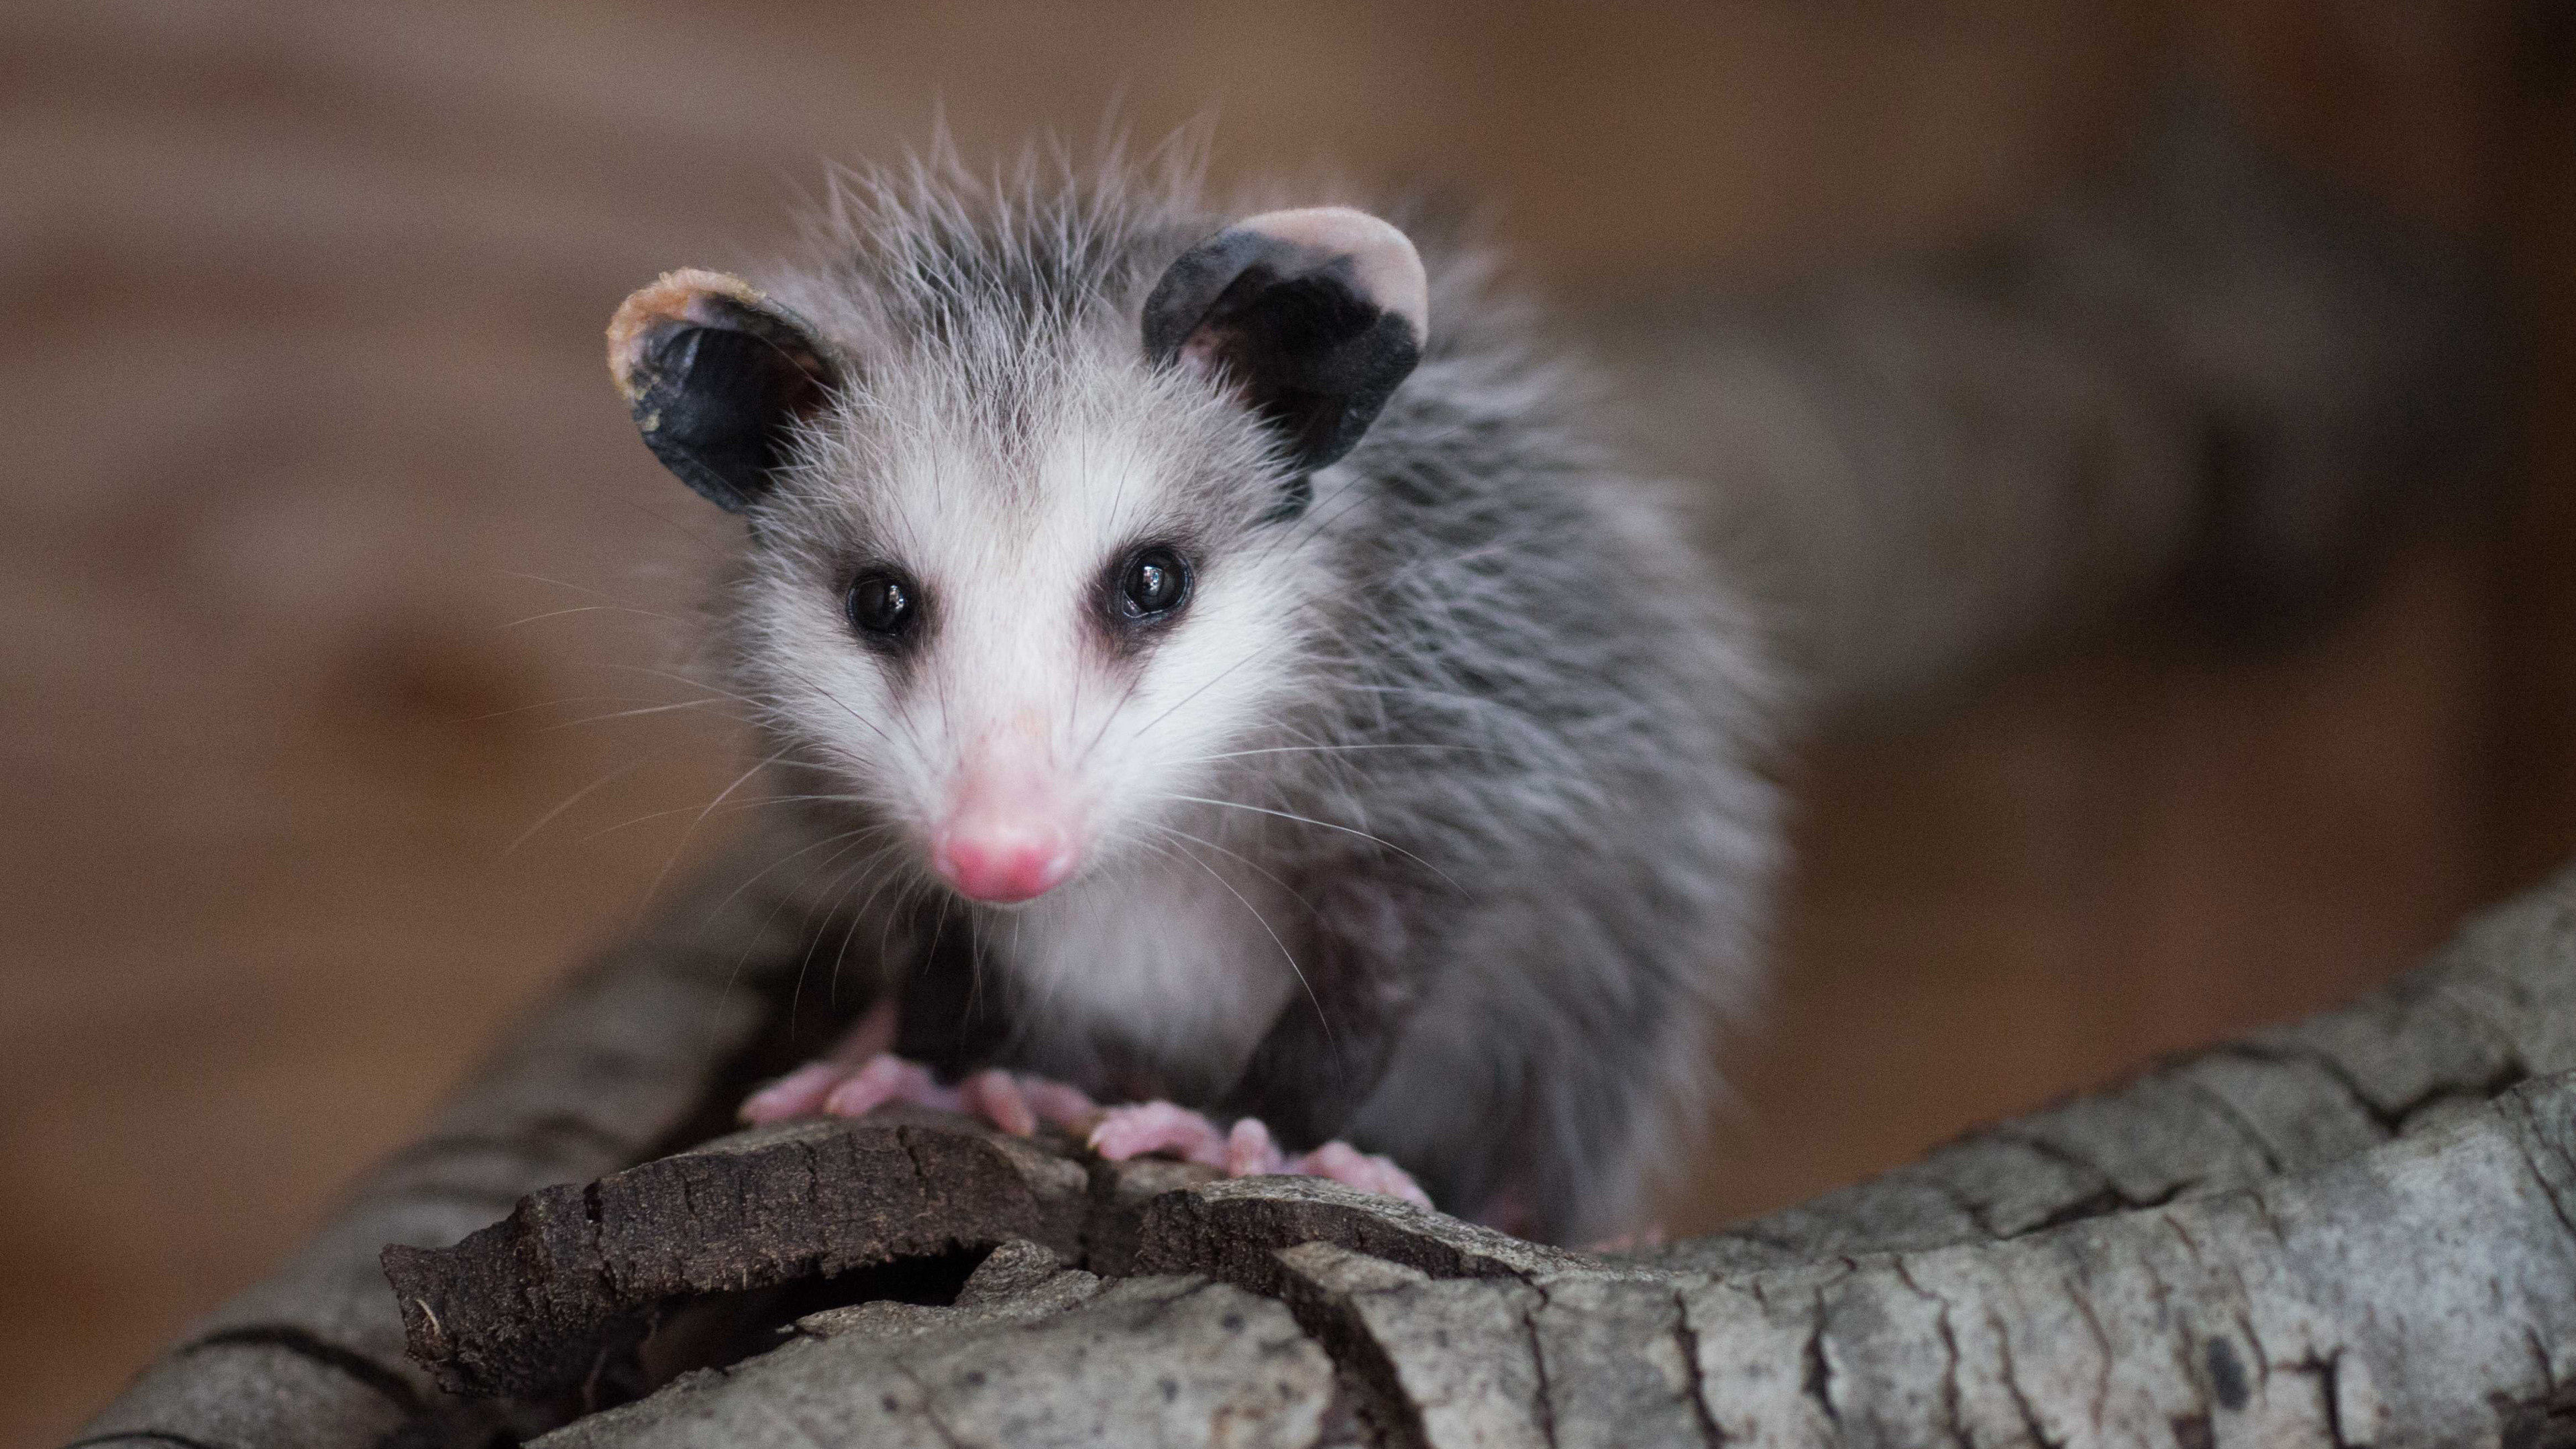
(1213, 672)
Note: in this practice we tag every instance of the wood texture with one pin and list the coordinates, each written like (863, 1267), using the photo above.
(2353, 1229)
(529, 1306)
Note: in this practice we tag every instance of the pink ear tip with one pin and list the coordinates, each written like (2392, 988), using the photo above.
(1002, 864)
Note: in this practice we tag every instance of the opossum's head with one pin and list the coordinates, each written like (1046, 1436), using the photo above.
(1021, 573)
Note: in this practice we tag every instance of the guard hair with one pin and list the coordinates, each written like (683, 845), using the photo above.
(1433, 815)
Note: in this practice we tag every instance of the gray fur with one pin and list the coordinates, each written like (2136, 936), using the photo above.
(1536, 704)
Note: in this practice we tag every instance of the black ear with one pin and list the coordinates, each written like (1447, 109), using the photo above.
(1313, 315)
(716, 375)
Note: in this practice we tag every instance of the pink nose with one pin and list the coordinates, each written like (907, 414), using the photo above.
(1002, 860)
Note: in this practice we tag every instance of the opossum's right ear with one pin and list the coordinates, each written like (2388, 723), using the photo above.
(717, 376)
(1313, 315)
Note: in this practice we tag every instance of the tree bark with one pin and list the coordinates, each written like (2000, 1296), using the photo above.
(2352, 1230)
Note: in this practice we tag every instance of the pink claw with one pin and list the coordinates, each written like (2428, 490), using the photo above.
(1150, 1127)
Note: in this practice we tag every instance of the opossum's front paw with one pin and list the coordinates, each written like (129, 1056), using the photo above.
(849, 1089)
(1143, 1129)
(1367, 1171)
(1008, 1100)
(1247, 1150)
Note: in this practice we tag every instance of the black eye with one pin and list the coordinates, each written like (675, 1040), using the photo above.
(881, 605)
(1152, 585)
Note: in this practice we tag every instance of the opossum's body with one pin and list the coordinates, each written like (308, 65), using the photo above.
(1433, 822)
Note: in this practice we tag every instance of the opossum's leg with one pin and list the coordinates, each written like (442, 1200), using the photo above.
(1246, 1150)
(1329, 1047)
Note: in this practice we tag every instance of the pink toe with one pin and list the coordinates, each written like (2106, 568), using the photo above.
(1347, 1165)
(1339, 1161)
(996, 1097)
(866, 1090)
(915, 1086)
(799, 1092)
(884, 1079)
(1250, 1151)
(1150, 1127)
(1059, 1105)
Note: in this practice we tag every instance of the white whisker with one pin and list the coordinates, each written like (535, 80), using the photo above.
(628, 714)
(664, 873)
(594, 609)
(577, 797)
(1325, 824)
(1330, 750)
(1284, 953)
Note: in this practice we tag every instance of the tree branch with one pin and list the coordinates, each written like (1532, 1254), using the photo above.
(2360, 1228)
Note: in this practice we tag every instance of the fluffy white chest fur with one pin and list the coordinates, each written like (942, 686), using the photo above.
(1187, 963)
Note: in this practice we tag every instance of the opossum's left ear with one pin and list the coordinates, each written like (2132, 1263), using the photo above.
(717, 375)
(1315, 315)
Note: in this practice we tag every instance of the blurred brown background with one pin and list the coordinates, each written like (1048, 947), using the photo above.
(305, 413)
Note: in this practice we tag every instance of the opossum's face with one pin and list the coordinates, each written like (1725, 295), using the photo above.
(1024, 602)
(1021, 651)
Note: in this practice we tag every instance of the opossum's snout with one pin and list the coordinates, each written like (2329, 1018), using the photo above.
(1002, 861)
(1008, 835)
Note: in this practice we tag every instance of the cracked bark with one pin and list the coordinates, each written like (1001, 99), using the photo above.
(2352, 1229)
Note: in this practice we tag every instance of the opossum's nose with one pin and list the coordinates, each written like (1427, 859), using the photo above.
(1009, 834)
(1001, 859)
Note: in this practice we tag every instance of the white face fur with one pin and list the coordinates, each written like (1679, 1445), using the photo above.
(958, 619)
